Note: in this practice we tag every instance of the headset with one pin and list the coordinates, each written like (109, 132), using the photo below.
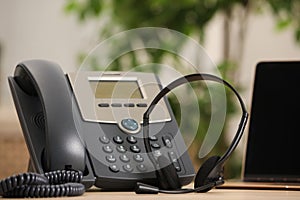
(210, 173)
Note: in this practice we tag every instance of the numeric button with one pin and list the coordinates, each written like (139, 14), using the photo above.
(128, 168)
(107, 149)
(138, 158)
(117, 139)
(131, 139)
(111, 158)
(135, 149)
(124, 158)
(121, 149)
(114, 168)
(104, 139)
(141, 167)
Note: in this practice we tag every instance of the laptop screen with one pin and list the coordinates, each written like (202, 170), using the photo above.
(273, 146)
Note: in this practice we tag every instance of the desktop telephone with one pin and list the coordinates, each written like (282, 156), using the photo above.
(99, 124)
(91, 122)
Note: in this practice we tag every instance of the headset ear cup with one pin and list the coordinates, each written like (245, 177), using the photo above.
(167, 176)
(202, 174)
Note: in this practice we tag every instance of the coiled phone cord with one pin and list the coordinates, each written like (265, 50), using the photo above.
(51, 184)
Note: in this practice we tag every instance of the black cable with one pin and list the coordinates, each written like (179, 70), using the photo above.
(142, 188)
(50, 184)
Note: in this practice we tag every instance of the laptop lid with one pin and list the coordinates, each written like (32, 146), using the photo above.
(273, 144)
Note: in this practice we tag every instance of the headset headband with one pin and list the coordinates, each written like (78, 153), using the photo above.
(188, 79)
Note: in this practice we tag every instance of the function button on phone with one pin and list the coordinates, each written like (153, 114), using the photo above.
(128, 104)
(141, 105)
(141, 167)
(155, 145)
(130, 124)
(173, 158)
(177, 166)
(167, 141)
(104, 139)
(107, 149)
(114, 168)
(121, 149)
(128, 168)
(135, 149)
(138, 158)
(124, 158)
(131, 139)
(116, 105)
(157, 153)
(103, 105)
(153, 138)
(118, 139)
(111, 158)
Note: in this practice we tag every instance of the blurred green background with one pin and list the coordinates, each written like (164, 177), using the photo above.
(236, 34)
(190, 17)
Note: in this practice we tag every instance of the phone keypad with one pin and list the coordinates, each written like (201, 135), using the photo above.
(124, 153)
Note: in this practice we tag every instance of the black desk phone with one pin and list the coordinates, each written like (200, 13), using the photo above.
(91, 122)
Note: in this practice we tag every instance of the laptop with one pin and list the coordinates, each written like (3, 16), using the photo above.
(272, 157)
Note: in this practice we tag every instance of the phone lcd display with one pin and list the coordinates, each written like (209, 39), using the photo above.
(116, 89)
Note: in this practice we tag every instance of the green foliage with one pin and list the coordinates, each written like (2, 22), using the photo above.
(287, 13)
(186, 16)
(189, 17)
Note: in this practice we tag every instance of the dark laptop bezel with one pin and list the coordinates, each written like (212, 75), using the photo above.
(246, 175)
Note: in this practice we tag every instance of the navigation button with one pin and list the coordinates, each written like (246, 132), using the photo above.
(130, 124)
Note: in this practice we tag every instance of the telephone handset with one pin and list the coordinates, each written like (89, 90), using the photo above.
(91, 122)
